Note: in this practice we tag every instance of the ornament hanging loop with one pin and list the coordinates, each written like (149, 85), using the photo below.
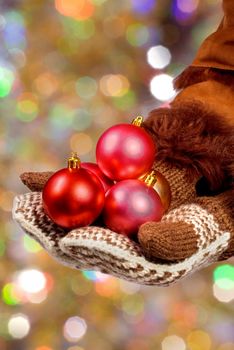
(137, 121)
(73, 162)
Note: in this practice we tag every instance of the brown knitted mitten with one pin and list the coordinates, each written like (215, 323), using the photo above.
(195, 226)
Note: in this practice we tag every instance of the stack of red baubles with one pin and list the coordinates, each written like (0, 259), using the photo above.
(121, 190)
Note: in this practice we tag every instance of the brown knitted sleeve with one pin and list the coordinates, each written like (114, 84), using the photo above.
(35, 181)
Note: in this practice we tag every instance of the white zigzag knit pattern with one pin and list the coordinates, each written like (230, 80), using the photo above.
(103, 250)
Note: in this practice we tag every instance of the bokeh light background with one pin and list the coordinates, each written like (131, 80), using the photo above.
(68, 70)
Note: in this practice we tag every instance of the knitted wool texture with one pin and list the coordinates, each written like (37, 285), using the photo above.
(193, 215)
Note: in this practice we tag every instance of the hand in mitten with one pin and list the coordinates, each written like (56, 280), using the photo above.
(195, 232)
(195, 148)
(91, 248)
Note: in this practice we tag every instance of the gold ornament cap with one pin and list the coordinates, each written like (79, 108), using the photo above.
(149, 178)
(137, 121)
(160, 184)
(73, 162)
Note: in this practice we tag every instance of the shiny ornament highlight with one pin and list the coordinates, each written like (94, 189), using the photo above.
(129, 204)
(125, 151)
(161, 186)
(73, 197)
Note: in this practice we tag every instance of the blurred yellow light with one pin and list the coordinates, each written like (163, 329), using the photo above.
(43, 348)
(81, 143)
(46, 84)
(198, 340)
(114, 85)
(173, 342)
(78, 9)
(27, 107)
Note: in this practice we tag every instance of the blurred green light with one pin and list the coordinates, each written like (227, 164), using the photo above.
(98, 2)
(86, 87)
(2, 247)
(6, 81)
(8, 295)
(126, 101)
(79, 29)
(14, 17)
(82, 120)
(62, 115)
(90, 275)
(137, 34)
(31, 245)
(224, 276)
(133, 305)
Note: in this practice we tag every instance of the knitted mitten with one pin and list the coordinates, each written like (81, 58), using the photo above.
(196, 151)
(94, 248)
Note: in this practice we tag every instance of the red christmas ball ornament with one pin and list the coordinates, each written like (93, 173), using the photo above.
(73, 197)
(94, 168)
(125, 151)
(129, 204)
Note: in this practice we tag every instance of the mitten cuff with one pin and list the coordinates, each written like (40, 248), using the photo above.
(194, 75)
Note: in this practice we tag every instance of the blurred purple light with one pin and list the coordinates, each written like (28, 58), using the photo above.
(143, 6)
(14, 31)
(179, 14)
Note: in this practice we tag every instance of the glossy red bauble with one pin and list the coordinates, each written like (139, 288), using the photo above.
(125, 151)
(73, 197)
(94, 168)
(129, 204)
